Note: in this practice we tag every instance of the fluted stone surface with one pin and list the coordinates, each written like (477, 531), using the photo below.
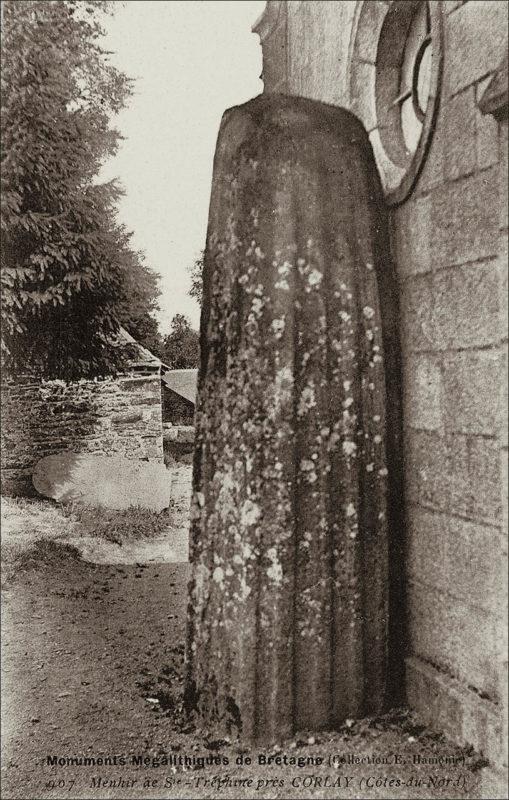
(297, 428)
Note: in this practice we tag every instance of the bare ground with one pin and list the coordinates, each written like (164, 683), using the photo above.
(92, 662)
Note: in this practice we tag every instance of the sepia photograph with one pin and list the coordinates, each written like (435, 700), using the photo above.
(254, 457)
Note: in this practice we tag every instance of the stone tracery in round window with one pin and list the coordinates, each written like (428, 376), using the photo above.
(407, 64)
(415, 77)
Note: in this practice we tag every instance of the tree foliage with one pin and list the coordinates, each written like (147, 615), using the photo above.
(137, 300)
(182, 345)
(196, 272)
(69, 274)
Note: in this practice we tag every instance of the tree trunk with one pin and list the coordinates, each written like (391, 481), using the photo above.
(297, 424)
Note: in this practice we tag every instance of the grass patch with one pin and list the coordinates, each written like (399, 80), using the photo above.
(45, 552)
(34, 518)
(26, 522)
(118, 526)
(36, 533)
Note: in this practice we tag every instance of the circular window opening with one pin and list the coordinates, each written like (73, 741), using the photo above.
(408, 69)
(415, 77)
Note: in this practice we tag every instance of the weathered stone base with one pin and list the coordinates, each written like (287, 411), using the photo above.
(449, 706)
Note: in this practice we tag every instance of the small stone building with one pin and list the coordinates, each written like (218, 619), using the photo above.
(179, 395)
(118, 415)
(429, 82)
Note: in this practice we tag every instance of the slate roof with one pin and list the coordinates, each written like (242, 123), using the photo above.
(183, 382)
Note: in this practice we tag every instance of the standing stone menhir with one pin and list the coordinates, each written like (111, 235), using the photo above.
(297, 428)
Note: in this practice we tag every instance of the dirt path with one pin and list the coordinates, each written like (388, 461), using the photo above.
(79, 639)
(87, 650)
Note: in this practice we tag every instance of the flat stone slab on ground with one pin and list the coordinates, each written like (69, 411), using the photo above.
(97, 480)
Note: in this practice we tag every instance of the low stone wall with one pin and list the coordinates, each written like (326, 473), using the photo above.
(119, 416)
(178, 443)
